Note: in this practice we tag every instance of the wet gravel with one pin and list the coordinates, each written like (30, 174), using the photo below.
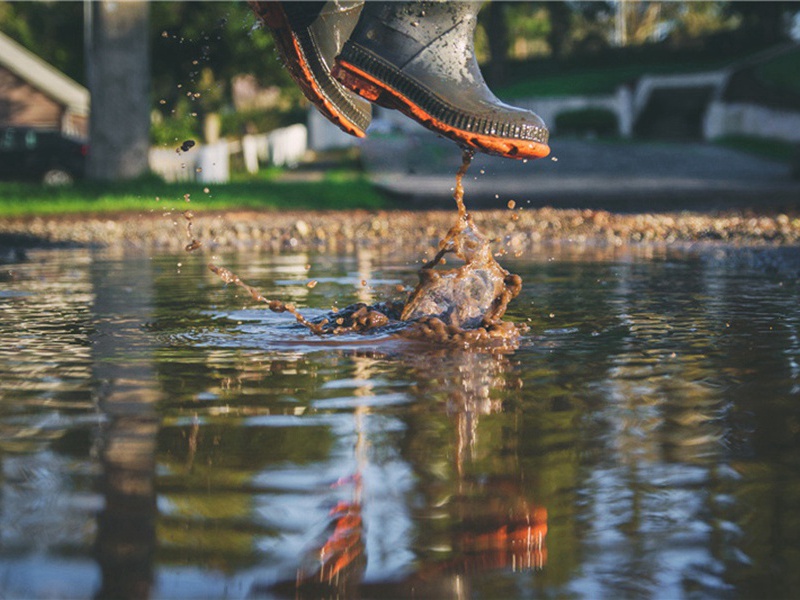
(514, 230)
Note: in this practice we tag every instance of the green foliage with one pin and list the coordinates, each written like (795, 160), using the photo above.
(236, 123)
(198, 47)
(181, 125)
(54, 31)
(527, 24)
(587, 121)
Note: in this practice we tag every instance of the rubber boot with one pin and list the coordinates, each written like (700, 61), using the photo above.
(308, 36)
(419, 58)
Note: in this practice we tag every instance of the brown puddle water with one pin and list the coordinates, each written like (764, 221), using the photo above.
(463, 306)
(156, 435)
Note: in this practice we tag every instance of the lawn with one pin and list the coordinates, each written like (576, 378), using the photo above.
(596, 80)
(778, 150)
(270, 191)
(782, 72)
(548, 78)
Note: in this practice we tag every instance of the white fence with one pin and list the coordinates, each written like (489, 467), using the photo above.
(287, 145)
(720, 119)
(548, 108)
(211, 163)
(736, 118)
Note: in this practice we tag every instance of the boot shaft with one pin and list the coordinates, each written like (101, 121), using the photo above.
(419, 58)
(403, 30)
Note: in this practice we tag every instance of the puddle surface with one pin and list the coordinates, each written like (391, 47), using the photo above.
(161, 434)
(461, 306)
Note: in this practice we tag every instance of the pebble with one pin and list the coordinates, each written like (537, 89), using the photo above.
(401, 230)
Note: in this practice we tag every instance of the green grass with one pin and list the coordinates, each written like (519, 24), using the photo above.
(337, 190)
(596, 80)
(547, 78)
(768, 148)
(782, 72)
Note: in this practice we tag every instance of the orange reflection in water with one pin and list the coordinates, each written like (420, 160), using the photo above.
(496, 527)
(341, 558)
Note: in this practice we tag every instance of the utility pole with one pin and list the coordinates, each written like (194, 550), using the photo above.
(118, 72)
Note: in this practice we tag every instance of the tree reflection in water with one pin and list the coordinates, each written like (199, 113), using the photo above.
(126, 390)
(652, 410)
(491, 520)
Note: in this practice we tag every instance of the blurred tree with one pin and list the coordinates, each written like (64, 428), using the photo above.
(119, 73)
(517, 30)
(560, 17)
(198, 49)
(52, 32)
(591, 28)
(698, 19)
(639, 20)
(497, 33)
(767, 21)
(529, 28)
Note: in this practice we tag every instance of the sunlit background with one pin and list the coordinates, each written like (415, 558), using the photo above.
(211, 75)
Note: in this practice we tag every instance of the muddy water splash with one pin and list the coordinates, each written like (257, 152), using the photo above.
(277, 306)
(194, 244)
(467, 302)
(462, 306)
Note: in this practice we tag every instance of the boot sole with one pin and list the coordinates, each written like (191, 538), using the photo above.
(384, 85)
(327, 94)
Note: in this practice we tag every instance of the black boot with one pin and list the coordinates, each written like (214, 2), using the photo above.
(419, 58)
(308, 36)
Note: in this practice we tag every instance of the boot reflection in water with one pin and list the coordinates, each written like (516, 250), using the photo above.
(416, 57)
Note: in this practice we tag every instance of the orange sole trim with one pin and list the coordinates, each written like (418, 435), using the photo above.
(376, 91)
(273, 15)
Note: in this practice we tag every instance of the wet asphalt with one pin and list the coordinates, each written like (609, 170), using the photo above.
(417, 170)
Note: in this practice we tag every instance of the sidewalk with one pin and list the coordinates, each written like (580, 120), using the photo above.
(419, 168)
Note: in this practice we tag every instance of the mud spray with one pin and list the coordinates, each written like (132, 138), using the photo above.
(463, 306)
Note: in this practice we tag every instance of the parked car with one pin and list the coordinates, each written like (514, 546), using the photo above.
(44, 155)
